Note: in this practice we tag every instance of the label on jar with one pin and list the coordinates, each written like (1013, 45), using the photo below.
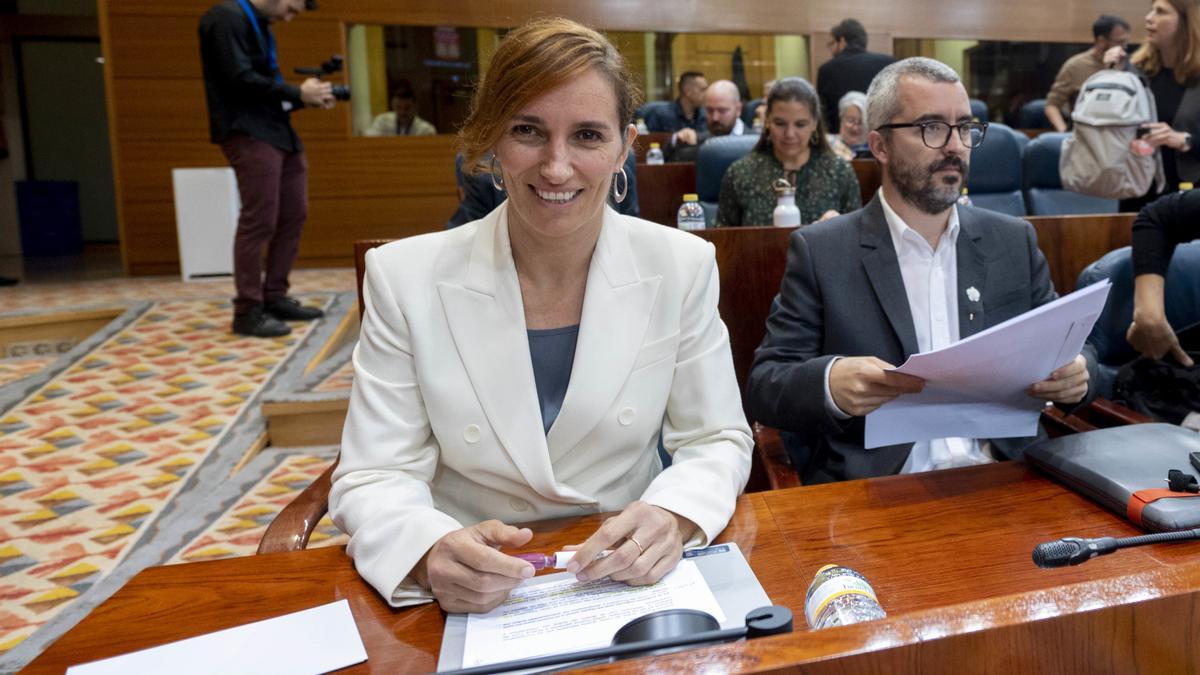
(832, 589)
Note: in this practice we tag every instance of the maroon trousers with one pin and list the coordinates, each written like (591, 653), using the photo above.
(273, 185)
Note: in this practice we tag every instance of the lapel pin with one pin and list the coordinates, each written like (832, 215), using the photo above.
(973, 294)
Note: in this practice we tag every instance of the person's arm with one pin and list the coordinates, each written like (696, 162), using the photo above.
(1058, 97)
(1055, 117)
(705, 432)
(229, 54)
(786, 387)
(1158, 228)
(380, 493)
(729, 208)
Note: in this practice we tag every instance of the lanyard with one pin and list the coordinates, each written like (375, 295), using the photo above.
(267, 44)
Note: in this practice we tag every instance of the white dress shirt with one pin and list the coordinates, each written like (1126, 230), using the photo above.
(930, 283)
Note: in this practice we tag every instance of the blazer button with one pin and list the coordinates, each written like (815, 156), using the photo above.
(471, 433)
(518, 504)
(625, 417)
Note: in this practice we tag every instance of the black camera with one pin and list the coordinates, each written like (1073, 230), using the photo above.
(334, 65)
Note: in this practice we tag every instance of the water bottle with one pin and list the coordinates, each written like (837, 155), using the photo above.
(654, 155)
(787, 214)
(839, 596)
(963, 199)
(641, 126)
(691, 214)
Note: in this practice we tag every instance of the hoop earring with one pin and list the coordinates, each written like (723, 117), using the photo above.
(497, 177)
(619, 195)
(814, 140)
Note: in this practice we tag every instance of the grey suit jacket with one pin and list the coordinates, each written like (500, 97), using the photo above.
(843, 295)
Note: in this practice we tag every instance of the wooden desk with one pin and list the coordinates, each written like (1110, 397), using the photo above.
(1071, 243)
(641, 144)
(948, 552)
(870, 177)
(661, 188)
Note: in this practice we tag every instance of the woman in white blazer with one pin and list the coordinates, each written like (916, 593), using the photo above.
(469, 411)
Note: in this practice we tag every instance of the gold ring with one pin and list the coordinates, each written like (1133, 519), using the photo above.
(641, 551)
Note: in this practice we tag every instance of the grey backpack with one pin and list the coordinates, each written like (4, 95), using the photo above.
(1096, 159)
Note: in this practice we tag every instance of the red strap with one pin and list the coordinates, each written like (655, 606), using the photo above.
(1139, 500)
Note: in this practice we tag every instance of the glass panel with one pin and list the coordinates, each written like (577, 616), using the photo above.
(1004, 75)
(418, 79)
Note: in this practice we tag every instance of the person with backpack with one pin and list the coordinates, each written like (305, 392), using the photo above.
(1169, 59)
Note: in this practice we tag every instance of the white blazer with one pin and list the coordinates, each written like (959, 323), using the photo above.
(445, 430)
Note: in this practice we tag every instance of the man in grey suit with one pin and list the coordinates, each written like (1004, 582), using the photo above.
(910, 272)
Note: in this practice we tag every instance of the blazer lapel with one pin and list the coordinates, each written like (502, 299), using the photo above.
(616, 312)
(972, 275)
(883, 269)
(487, 320)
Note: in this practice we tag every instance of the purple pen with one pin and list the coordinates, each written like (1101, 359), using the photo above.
(540, 561)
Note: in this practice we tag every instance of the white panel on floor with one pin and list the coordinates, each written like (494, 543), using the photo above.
(206, 215)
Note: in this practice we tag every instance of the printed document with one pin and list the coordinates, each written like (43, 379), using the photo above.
(554, 614)
(975, 388)
(315, 640)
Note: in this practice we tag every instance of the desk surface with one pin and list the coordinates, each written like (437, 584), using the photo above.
(948, 553)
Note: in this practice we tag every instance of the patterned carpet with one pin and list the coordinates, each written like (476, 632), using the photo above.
(97, 458)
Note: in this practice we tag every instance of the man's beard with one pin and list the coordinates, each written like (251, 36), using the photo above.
(719, 129)
(919, 187)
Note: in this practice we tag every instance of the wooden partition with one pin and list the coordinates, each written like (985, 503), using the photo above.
(661, 189)
(870, 177)
(1071, 243)
(363, 188)
(641, 145)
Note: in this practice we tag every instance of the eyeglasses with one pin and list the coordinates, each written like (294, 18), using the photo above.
(936, 135)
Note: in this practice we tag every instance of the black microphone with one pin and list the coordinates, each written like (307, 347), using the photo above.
(1075, 550)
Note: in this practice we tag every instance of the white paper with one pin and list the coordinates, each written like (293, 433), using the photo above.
(975, 388)
(555, 614)
(315, 640)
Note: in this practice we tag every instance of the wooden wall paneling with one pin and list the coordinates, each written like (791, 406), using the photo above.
(371, 218)
(157, 118)
(661, 189)
(1071, 243)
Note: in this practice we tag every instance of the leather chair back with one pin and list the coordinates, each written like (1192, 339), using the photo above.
(979, 110)
(995, 177)
(1033, 115)
(713, 159)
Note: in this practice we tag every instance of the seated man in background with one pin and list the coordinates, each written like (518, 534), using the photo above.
(1159, 227)
(477, 196)
(1107, 32)
(687, 111)
(910, 272)
(402, 119)
(722, 113)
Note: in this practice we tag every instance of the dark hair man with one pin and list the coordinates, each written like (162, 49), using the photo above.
(402, 118)
(904, 274)
(687, 111)
(1107, 32)
(851, 69)
(249, 108)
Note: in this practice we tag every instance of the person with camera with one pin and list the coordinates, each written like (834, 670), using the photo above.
(249, 108)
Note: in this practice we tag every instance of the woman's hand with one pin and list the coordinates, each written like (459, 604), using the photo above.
(828, 214)
(466, 573)
(646, 542)
(1161, 133)
(1154, 337)
(1114, 57)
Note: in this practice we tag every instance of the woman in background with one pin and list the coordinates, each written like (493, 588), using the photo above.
(851, 138)
(793, 146)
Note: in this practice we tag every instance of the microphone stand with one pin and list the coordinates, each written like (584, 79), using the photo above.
(1075, 550)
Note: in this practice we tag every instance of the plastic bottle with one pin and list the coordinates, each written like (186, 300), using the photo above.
(839, 596)
(963, 199)
(786, 214)
(641, 126)
(654, 155)
(691, 214)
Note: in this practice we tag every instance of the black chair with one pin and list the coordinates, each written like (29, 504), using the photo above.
(713, 159)
(1044, 192)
